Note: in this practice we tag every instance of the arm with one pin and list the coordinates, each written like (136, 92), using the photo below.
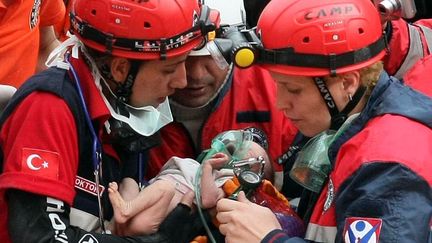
(52, 13)
(48, 41)
(46, 219)
(408, 43)
(389, 192)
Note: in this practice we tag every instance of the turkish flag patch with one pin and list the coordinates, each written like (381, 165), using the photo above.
(40, 162)
(362, 230)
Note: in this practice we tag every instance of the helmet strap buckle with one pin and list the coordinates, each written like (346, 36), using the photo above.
(109, 41)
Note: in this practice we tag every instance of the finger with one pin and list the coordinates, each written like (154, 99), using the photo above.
(242, 198)
(224, 205)
(222, 217)
(188, 198)
(218, 155)
(223, 228)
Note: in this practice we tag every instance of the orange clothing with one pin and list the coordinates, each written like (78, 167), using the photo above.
(62, 27)
(20, 21)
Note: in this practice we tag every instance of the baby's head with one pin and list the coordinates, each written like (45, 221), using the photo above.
(255, 150)
(245, 144)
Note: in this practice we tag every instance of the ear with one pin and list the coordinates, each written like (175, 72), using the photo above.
(350, 82)
(119, 69)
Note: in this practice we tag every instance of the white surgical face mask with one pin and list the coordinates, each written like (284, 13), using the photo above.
(145, 120)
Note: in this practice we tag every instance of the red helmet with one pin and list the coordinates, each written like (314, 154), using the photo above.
(142, 29)
(318, 38)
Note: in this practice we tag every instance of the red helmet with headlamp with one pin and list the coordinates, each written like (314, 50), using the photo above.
(144, 30)
(318, 38)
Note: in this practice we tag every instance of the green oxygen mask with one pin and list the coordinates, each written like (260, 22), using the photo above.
(312, 165)
(234, 143)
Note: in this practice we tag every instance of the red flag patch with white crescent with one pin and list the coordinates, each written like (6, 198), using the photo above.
(40, 162)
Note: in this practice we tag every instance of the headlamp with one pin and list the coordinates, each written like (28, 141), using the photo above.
(397, 9)
(234, 46)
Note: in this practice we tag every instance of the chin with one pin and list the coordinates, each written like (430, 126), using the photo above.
(191, 103)
(309, 132)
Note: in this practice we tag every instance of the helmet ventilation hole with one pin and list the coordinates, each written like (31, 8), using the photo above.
(361, 30)
(306, 39)
(147, 24)
(93, 11)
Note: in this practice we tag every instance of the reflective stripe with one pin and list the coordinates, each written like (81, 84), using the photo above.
(415, 52)
(428, 36)
(320, 233)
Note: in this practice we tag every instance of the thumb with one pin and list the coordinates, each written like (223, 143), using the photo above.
(242, 198)
(188, 198)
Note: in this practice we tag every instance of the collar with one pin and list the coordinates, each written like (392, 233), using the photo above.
(92, 96)
(184, 113)
(389, 96)
(410, 103)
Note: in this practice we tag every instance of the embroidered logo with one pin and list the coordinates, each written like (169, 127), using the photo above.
(88, 186)
(362, 230)
(40, 162)
(330, 195)
(34, 15)
(88, 238)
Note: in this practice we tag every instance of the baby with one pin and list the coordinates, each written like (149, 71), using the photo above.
(143, 211)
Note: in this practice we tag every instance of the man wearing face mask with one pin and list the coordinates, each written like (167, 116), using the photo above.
(217, 100)
(111, 78)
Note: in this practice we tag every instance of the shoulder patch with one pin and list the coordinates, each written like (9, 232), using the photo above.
(365, 230)
(39, 162)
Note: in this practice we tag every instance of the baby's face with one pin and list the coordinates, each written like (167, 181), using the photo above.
(255, 150)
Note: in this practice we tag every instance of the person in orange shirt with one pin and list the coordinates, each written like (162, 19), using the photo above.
(26, 37)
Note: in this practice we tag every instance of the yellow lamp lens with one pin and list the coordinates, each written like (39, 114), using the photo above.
(211, 35)
(244, 58)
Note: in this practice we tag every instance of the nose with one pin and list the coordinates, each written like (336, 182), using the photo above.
(195, 70)
(283, 101)
(179, 79)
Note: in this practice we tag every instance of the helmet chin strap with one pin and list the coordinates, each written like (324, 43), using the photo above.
(337, 117)
(123, 90)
